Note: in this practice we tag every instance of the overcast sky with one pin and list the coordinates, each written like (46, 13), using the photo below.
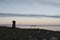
(44, 7)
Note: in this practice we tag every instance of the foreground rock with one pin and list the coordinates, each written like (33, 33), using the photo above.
(7, 33)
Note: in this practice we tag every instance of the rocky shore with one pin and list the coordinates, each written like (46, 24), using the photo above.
(7, 33)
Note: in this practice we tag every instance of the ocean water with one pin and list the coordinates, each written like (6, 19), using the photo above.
(56, 28)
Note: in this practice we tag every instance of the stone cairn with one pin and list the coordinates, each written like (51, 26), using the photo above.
(13, 24)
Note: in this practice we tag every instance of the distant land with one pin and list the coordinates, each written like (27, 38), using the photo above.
(30, 25)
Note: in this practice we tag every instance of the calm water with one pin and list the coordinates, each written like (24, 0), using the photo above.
(40, 27)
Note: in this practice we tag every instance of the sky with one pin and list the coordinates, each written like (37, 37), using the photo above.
(46, 7)
(36, 7)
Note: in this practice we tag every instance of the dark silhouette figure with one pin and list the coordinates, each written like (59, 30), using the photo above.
(13, 24)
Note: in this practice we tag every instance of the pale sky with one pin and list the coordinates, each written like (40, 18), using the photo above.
(47, 7)
(30, 20)
(40, 7)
